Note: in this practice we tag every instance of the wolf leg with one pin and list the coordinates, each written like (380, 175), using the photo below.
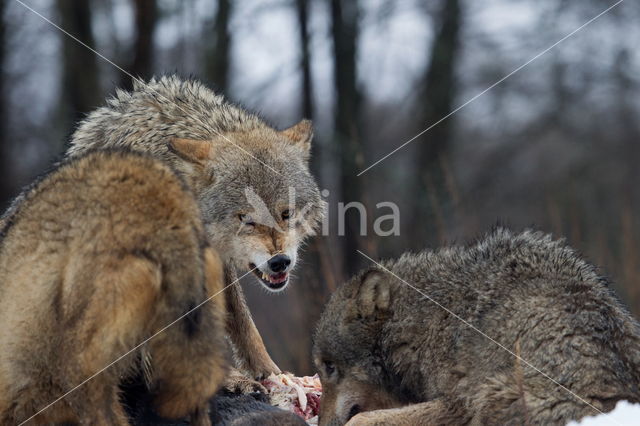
(186, 369)
(189, 360)
(245, 337)
(181, 390)
(436, 412)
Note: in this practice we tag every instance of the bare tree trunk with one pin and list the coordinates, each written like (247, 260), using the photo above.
(437, 101)
(146, 13)
(318, 274)
(302, 7)
(345, 29)
(218, 55)
(5, 173)
(302, 11)
(80, 84)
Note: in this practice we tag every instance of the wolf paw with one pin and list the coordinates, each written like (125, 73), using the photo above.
(378, 418)
(263, 368)
(238, 383)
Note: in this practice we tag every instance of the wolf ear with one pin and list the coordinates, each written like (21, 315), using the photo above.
(192, 150)
(300, 134)
(373, 296)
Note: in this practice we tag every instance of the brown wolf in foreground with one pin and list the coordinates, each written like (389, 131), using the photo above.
(98, 256)
(252, 183)
(382, 345)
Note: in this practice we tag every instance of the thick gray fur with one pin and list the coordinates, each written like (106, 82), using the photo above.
(532, 294)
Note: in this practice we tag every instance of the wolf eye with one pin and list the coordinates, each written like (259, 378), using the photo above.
(329, 368)
(286, 214)
(246, 219)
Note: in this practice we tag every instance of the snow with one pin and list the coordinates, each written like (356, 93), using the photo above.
(625, 414)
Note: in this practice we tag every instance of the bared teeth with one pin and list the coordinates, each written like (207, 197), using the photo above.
(272, 279)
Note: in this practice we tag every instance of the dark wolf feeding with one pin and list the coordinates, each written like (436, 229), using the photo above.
(381, 345)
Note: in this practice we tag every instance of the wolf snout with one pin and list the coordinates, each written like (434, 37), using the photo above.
(279, 263)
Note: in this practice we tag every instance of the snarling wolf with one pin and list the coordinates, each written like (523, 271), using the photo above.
(99, 256)
(252, 183)
(383, 345)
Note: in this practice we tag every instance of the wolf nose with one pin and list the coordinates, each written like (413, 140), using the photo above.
(279, 263)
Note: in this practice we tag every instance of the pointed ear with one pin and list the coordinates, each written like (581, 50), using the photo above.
(192, 150)
(300, 134)
(373, 296)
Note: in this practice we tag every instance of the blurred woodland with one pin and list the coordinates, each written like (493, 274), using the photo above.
(555, 146)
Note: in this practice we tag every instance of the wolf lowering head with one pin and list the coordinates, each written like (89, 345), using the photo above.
(252, 182)
(443, 338)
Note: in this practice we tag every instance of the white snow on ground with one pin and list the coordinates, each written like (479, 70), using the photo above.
(625, 414)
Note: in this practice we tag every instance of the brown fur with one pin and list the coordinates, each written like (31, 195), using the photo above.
(533, 295)
(270, 239)
(100, 255)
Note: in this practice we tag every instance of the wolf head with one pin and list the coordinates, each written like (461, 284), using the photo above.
(257, 205)
(257, 196)
(346, 349)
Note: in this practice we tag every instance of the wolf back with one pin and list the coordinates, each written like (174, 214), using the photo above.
(384, 344)
(101, 254)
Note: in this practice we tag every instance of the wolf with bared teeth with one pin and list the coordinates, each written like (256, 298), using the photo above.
(252, 183)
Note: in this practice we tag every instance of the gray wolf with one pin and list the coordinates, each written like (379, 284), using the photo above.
(252, 183)
(99, 255)
(381, 345)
